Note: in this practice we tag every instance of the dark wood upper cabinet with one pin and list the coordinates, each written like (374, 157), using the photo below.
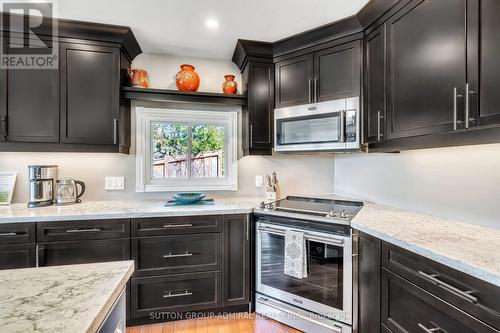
(30, 105)
(337, 72)
(294, 81)
(483, 70)
(426, 50)
(260, 90)
(374, 86)
(90, 94)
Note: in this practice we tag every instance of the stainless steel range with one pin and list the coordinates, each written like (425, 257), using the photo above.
(322, 299)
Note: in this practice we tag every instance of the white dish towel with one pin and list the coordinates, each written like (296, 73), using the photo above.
(295, 254)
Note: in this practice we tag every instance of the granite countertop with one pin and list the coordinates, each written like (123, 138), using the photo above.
(465, 247)
(88, 210)
(60, 299)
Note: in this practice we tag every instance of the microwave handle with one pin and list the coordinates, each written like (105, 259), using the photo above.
(342, 138)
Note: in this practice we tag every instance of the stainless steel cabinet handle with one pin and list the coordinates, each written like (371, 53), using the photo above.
(3, 126)
(251, 136)
(83, 230)
(170, 255)
(379, 131)
(467, 106)
(430, 330)
(185, 225)
(7, 234)
(315, 89)
(342, 126)
(115, 131)
(466, 294)
(170, 294)
(310, 92)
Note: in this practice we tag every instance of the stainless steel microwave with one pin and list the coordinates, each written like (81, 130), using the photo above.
(326, 126)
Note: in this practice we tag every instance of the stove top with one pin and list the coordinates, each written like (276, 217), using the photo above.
(324, 210)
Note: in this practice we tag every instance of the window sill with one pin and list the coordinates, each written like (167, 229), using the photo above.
(184, 188)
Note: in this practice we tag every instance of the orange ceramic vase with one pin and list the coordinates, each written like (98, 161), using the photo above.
(187, 79)
(138, 78)
(229, 86)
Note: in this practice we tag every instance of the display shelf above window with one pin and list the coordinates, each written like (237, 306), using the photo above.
(185, 150)
(159, 95)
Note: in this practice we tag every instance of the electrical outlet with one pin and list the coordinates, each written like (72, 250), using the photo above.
(114, 183)
(259, 181)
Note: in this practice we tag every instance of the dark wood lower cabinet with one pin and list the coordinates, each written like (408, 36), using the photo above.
(369, 257)
(17, 256)
(236, 254)
(408, 308)
(175, 293)
(83, 252)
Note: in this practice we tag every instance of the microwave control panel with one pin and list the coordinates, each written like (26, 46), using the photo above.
(351, 126)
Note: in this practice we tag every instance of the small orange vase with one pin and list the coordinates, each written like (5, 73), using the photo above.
(229, 86)
(138, 78)
(187, 79)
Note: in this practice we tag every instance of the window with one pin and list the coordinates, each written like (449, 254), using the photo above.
(185, 150)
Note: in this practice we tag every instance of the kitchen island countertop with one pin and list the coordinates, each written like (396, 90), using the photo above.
(60, 299)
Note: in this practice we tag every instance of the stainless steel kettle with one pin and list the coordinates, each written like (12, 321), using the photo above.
(67, 191)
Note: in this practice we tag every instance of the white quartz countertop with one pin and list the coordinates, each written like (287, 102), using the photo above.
(122, 209)
(471, 249)
(60, 299)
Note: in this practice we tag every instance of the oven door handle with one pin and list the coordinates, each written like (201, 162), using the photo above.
(281, 232)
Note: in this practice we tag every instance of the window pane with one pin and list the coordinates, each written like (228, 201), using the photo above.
(170, 149)
(207, 151)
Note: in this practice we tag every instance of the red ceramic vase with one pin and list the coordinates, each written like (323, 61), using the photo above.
(187, 79)
(138, 78)
(229, 86)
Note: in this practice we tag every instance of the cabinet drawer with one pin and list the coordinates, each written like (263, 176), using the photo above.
(81, 230)
(17, 256)
(408, 308)
(176, 225)
(480, 299)
(83, 252)
(182, 292)
(177, 254)
(17, 233)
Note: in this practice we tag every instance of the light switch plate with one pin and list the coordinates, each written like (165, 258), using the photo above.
(259, 181)
(114, 183)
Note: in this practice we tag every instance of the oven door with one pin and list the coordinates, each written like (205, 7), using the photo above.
(327, 289)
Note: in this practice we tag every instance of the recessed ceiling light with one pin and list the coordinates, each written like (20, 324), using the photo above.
(212, 24)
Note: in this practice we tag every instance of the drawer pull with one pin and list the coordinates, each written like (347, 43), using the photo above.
(185, 225)
(7, 234)
(83, 230)
(431, 330)
(466, 294)
(170, 294)
(170, 255)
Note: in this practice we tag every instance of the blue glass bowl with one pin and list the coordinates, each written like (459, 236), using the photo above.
(188, 198)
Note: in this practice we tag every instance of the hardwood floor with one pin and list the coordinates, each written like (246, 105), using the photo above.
(238, 323)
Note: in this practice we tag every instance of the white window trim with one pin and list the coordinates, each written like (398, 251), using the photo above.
(144, 181)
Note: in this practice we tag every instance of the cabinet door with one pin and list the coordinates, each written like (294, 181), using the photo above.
(337, 72)
(236, 253)
(90, 88)
(260, 105)
(426, 50)
(30, 105)
(17, 256)
(374, 86)
(369, 254)
(484, 52)
(294, 81)
(83, 252)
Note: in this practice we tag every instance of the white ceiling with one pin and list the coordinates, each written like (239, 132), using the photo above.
(178, 27)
